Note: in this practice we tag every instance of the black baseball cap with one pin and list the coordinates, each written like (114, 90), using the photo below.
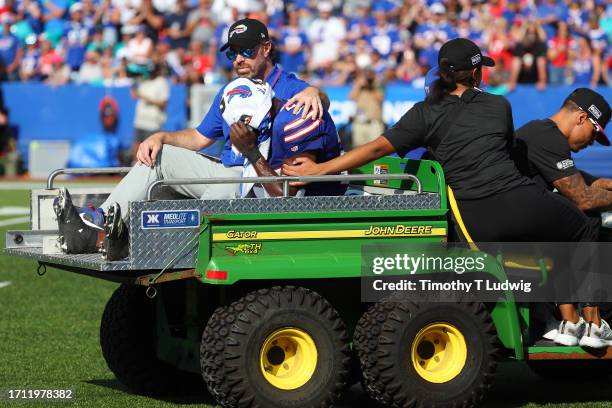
(246, 33)
(463, 54)
(596, 107)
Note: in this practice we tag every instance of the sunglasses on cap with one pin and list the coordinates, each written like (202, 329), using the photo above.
(244, 52)
(596, 126)
(593, 122)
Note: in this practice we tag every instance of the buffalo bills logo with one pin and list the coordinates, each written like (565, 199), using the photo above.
(239, 29)
(242, 90)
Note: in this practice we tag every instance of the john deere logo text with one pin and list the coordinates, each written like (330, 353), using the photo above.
(400, 230)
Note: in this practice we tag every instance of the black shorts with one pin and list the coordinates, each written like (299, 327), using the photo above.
(533, 214)
(527, 214)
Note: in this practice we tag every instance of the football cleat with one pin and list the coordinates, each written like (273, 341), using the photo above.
(116, 241)
(79, 227)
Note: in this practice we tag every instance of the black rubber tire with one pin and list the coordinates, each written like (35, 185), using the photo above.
(395, 378)
(232, 341)
(211, 353)
(128, 342)
(365, 343)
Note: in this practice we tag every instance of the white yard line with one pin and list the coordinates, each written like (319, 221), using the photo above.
(4, 284)
(13, 221)
(14, 210)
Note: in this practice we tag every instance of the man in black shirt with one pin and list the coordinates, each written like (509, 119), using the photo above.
(548, 145)
(544, 152)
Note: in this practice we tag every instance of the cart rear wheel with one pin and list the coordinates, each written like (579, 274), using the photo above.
(128, 341)
(280, 347)
(439, 352)
(433, 354)
(365, 342)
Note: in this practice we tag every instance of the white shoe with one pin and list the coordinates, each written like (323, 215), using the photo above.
(551, 329)
(570, 333)
(597, 336)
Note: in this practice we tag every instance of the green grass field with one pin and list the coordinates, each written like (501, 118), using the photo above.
(49, 330)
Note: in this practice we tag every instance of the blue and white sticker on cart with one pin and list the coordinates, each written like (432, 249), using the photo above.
(170, 219)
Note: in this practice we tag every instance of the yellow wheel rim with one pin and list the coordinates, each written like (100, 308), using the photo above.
(438, 352)
(288, 358)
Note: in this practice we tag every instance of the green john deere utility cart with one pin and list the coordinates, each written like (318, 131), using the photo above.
(260, 300)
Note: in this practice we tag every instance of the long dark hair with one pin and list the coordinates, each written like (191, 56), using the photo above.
(448, 81)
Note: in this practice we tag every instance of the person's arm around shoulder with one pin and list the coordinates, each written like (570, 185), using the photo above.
(584, 196)
(312, 99)
(407, 133)
(302, 166)
(306, 97)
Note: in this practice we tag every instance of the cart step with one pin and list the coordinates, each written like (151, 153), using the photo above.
(554, 352)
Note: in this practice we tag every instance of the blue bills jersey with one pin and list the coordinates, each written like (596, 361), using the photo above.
(285, 86)
(292, 135)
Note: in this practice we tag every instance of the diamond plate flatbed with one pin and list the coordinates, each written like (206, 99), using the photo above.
(176, 248)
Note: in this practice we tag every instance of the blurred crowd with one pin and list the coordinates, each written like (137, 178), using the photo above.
(110, 42)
